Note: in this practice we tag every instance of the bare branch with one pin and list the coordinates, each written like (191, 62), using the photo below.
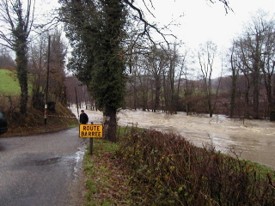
(8, 17)
(6, 45)
(148, 8)
(147, 25)
(225, 3)
(29, 21)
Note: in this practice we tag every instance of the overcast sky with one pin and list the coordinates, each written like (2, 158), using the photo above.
(204, 21)
(201, 20)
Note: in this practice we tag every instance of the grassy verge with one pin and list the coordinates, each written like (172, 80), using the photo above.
(106, 181)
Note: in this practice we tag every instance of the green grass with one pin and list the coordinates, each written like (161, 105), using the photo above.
(261, 170)
(103, 178)
(92, 169)
(8, 83)
(101, 145)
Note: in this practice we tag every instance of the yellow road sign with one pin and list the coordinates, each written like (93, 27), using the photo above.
(90, 130)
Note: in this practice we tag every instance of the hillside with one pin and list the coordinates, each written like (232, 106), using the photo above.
(33, 122)
(9, 84)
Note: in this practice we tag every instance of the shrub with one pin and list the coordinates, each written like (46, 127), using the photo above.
(168, 170)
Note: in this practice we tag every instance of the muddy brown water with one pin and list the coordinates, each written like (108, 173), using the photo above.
(250, 139)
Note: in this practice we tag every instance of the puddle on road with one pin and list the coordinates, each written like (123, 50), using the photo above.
(32, 160)
(48, 161)
(71, 163)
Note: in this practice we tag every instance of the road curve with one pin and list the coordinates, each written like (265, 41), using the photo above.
(42, 170)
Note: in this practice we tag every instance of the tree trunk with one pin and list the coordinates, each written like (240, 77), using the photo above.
(256, 95)
(233, 96)
(210, 108)
(246, 103)
(22, 67)
(233, 87)
(268, 88)
(110, 124)
(157, 93)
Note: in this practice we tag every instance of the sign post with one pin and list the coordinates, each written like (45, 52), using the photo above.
(91, 131)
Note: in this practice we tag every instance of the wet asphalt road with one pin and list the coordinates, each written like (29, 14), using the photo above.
(42, 170)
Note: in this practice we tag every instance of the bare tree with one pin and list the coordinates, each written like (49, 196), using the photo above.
(18, 21)
(136, 95)
(180, 76)
(38, 66)
(144, 83)
(235, 70)
(156, 62)
(268, 59)
(256, 49)
(206, 57)
(57, 67)
(171, 74)
(188, 86)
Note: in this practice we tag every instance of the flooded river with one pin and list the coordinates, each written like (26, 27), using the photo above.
(250, 139)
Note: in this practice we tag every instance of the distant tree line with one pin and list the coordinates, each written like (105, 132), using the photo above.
(252, 63)
(162, 78)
